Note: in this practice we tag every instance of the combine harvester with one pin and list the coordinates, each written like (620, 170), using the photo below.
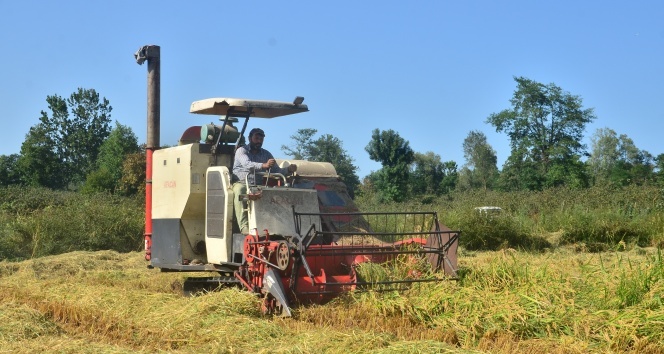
(307, 241)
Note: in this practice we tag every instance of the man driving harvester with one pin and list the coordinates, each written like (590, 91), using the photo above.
(249, 159)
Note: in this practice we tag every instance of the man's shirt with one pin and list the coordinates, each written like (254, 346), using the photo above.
(245, 161)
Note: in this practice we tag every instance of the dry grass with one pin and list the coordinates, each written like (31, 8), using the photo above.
(505, 302)
(109, 302)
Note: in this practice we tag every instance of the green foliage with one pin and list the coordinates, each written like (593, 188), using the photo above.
(568, 171)
(62, 149)
(595, 219)
(520, 173)
(99, 181)
(326, 148)
(639, 281)
(451, 178)
(39, 222)
(12, 246)
(395, 154)
(390, 183)
(615, 159)
(605, 227)
(481, 168)
(659, 169)
(604, 153)
(108, 175)
(39, 165)
(9, 172)
(545, 126)
(21, 200)
(389, 148)
(133, 174)
(493, 232)
(430, 176)
(304, 144)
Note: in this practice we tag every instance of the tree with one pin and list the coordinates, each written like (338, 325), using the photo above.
(481, 161)
(520, 172)
(99, 180)
(430, 176)
(304, 144)
(545, 126)
(426, 173)
(133, 173)
(451, 177)
(38, 163)
(66, 141)
(465, 181)
(9, 172)
(106, 177)
(638, 162)
(616, 159)
(326, 148)
(604, 154)
(659, 169)
(395, 155)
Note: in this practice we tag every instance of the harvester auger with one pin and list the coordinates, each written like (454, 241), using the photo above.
(307, 242)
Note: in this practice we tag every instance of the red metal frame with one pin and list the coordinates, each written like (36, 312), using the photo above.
(331, 268)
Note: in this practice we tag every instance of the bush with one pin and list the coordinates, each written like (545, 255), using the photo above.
(493, 232)
(599, 217)
(607, 228)
(12, 245)
(57, 222)
(99, 181)
(20, 200)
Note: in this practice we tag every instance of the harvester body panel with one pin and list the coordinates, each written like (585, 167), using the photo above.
(178, 203)
(219, 216)
(274, 210)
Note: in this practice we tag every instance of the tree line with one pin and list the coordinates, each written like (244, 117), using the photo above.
(545, 127)
(75, 147)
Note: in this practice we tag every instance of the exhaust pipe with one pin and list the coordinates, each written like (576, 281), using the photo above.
(152, 54)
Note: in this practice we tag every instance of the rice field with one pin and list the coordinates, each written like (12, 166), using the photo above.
(560, 301)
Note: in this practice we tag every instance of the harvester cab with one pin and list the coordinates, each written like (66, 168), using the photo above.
(307, 240)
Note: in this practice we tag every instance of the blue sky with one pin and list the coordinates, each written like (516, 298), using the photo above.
(431, 70)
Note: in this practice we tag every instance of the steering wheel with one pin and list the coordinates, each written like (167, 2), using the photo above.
(272, 177)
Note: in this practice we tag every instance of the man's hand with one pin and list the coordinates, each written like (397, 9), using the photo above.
(269, 163)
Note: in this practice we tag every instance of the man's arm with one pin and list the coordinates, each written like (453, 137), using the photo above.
(276, 169)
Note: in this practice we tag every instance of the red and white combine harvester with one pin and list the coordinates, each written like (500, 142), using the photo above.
(307, 241)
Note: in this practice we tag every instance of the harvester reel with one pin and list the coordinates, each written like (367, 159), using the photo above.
(283, 255)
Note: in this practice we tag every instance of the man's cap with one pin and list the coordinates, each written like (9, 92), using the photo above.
(258, 131)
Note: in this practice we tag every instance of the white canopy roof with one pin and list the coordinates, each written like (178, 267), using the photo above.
(258, 108)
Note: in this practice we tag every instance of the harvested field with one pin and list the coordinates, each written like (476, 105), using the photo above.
(557, 302)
